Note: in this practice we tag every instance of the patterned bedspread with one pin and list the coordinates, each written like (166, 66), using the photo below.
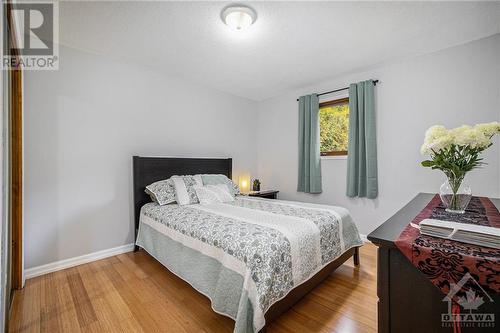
(271, 246)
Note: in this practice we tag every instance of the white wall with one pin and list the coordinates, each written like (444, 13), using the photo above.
(456, 86)
(84, 122)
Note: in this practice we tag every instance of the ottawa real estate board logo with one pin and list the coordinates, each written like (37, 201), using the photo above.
(471, 303)
(31, 40)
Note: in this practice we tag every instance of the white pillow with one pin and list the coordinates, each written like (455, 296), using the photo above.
(215, 179)
(210, 194)
(162, 192)
(185, 193)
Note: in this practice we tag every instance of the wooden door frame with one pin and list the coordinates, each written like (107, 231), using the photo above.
(16, 157)
(16, 177)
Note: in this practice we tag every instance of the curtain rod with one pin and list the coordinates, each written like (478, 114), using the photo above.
(337, 90)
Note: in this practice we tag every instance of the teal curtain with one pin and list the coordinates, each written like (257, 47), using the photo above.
(362, 148)
(309, 155)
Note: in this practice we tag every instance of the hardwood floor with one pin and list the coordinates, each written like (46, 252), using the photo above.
(132, 292)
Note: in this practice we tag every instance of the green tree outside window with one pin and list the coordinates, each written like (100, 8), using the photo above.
(334, 127)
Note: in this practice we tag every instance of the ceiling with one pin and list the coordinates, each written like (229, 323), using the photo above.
(291, 45)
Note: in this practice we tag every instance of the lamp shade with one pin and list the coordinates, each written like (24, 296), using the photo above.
(244, 183)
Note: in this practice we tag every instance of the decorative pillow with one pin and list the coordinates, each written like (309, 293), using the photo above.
(185, 194)
(210, 194)
(162, 192)
(221, 179)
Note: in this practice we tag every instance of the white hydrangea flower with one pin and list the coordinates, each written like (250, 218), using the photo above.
(434, 132)
(489, 129)
(470, 136)
(442, 142)
(425, 150)
(457, 151)
(461, 135)
(436, 138)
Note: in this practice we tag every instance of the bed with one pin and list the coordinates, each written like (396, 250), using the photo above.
(253, 258)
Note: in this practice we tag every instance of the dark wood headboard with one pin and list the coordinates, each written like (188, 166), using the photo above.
(147, 170)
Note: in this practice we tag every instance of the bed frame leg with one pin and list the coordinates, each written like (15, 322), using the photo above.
(136, 248)
(356, 256)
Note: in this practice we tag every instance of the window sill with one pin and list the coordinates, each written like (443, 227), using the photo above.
(340, 157)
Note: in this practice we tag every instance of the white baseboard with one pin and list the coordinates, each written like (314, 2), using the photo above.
(71, 262)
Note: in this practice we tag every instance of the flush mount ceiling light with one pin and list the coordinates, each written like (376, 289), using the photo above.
(238, 17)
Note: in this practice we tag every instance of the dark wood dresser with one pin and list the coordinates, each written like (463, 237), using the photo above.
(408, 301)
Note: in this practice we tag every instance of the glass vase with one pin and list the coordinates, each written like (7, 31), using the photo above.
(455, 195)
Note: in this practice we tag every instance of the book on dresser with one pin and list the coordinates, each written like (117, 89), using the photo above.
(462, 232)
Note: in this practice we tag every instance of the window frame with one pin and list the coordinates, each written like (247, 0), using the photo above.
(334, 102)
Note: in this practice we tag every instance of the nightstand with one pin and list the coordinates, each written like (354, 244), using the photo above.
(269, 194)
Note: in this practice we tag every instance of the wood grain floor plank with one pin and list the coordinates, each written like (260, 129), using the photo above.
(113, 300)
(131, 325)
(195, 304)
(16, 319)
(29, 318)
(176, 309)
(163, 317)
(133, 302)
(69, 317)
(98, 290)
(84, 310)
(132, 292)
(50, 309)
(335, 321)
(132, 265)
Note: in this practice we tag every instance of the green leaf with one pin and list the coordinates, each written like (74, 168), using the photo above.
(427, 163)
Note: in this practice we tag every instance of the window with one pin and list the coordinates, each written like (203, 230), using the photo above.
(334, 127)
